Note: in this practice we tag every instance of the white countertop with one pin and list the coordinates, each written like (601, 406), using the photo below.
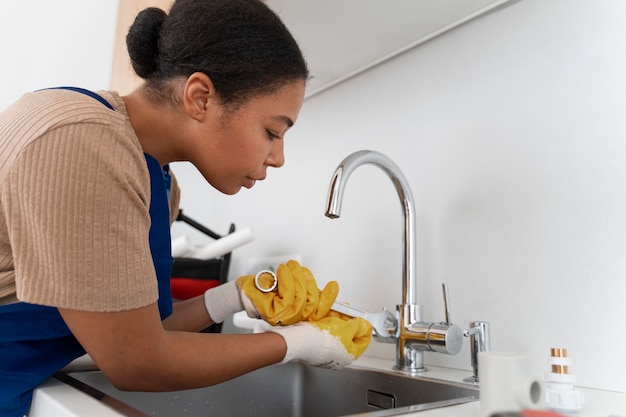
(56, 399)
(598, 403)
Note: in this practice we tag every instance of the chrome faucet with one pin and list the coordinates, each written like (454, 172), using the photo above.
(411, 335)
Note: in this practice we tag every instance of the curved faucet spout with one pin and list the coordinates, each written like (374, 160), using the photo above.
(335, 197)
(412, 335)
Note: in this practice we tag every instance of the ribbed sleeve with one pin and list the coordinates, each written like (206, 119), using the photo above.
(75, 194)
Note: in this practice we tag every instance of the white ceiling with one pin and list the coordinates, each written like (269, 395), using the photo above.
(341, 38)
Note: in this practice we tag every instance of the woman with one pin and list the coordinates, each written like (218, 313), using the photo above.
(86, 200)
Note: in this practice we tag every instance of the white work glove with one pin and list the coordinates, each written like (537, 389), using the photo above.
(225, 300)
(295, 298)
(332, 342)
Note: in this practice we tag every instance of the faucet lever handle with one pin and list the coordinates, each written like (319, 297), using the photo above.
(446, 302)
(481, 338)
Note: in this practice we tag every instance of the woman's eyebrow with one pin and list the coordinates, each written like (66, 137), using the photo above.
(286, 120)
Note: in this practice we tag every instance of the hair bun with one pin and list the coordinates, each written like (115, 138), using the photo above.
(142, 41)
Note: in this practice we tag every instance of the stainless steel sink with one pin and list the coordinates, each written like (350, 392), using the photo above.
(292, 390)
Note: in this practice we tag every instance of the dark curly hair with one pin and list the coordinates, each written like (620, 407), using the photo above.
(242, 45)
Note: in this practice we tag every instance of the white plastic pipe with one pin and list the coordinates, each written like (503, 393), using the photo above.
(224, 245)
(182, 246)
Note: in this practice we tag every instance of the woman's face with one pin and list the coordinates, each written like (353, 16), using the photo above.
(238, 146)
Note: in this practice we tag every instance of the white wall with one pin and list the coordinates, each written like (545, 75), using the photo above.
(51, 43)
(511, 132)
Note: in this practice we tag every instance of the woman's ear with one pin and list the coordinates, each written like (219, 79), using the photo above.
(198, 95)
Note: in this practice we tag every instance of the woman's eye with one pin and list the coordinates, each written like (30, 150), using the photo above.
(272, 135)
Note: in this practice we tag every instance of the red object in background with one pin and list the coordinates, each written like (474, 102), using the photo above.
(539, 413)
(192, 277)
(186, 288)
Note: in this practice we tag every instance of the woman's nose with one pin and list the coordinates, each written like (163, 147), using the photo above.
(276, 158)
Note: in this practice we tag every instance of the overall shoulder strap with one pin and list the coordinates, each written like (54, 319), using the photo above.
(85, 92)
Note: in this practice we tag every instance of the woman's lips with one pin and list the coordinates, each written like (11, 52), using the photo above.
(249, 182)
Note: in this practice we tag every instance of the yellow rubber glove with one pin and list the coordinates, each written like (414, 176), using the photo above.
(296, 297)
(331, 342)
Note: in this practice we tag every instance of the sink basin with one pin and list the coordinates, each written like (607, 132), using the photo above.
(292, 390)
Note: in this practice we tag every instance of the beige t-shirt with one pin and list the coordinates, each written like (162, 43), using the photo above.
(74, 201)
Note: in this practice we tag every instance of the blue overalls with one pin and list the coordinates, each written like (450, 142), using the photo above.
(34, 340)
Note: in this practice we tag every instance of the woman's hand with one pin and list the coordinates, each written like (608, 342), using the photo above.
(332, 342)
(296, 297)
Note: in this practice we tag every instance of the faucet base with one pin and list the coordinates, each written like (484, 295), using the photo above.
(409, 370)
(408, 359)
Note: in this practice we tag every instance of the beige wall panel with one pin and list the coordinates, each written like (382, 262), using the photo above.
(123, 78)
